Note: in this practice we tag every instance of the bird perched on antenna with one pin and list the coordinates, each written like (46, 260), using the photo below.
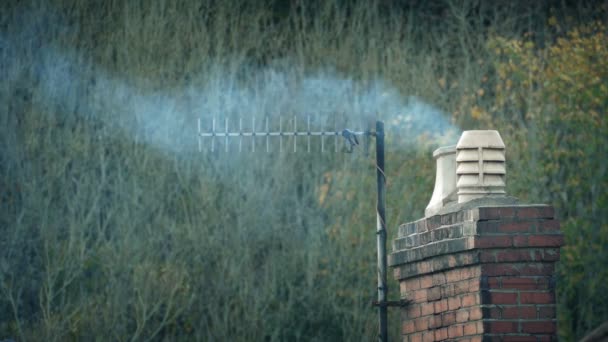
(351, 138)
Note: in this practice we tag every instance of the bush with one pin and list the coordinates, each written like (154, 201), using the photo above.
(550, 102)
(112, 227)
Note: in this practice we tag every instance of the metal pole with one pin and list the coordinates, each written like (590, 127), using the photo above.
(381, 233)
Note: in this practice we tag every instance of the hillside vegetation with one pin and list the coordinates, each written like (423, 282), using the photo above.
(113, 226)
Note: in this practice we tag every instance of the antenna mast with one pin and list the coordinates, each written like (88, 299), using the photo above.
(351, 141)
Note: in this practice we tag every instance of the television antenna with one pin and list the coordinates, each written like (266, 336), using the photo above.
(351, 141)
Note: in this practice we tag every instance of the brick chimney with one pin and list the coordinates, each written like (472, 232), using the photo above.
(480, 268)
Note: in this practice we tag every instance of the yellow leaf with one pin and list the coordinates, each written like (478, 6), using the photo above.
(323, 190)
(502, 73)
(552, 21)
(476, 112)
(442, 82)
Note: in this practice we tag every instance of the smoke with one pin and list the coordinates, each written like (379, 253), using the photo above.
(167, 120)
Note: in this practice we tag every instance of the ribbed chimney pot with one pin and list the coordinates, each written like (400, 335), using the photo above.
(480, 165)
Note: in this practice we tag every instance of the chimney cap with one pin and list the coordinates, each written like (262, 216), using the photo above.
(443, 150)
(480, 138)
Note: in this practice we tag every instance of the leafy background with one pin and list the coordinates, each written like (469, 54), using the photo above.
(114, 226)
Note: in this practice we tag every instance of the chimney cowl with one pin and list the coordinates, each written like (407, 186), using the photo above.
(480, 165)
(445, 180)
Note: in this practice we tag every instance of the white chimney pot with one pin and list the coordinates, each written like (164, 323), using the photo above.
(480, 165)
(445, 180)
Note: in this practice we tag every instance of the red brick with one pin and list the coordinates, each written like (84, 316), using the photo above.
(447, 290)
(503, 298)
(453, 303)
(496, 213)
(433, 294)
(411, 284)
(416, 337)
(536, 254)
(519, 283)
(412, 311)
(422, 324)
(461, 287)
(494, 313)
(467, 259)
(521, 312)
(427, 309)
(489, 214)
(487, 256)
(545, 212)
(473, 328)
(470, 272)
(510, 312)
(487, 227)
(500, 269)
(493, 241)
(514, 227)
(519, 338)
(500, 327)
(475, 313)
(426, 281)
(428, 336)
(451, 260)
(519, 269)
(441, 334)
(536, 298)
(453, 276)
(435, 322)
(530, 212)
(448, 318)
(545, 240)
(474, 285)
(419, 296)
(470, 299)
(548, 226)
(494, 282)
(424, 267)
(408, 327)
(537, 269)
(438, 279)
(546, 327)
(546, 312)
(506, 212)
(528, 312)
(441, 306)
(467, 286)
(520, 241)
(455, 331)
(462, 316)
(510, 255)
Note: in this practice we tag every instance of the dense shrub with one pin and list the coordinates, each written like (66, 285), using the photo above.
(551, 104)
(113, 226)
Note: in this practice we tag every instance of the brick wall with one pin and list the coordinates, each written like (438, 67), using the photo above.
(480, 274)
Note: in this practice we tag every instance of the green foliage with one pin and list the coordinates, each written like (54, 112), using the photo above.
(105, 237)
